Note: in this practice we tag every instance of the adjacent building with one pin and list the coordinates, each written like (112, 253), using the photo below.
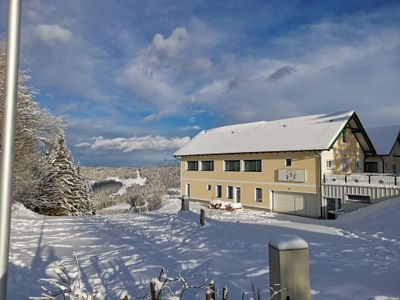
(386, 141)
(275, 165)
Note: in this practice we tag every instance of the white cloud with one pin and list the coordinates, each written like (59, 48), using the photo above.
(162, 75)
(83, 144)
(150, 84)
(148, 142)
(322, 67)
(51, 33)
(194, 127)
(169, 46)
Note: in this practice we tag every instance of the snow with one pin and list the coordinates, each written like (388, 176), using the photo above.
(354, 257)
(126, 183)
(313, 132)
(174, 190)
(120, 206)
(288, 242)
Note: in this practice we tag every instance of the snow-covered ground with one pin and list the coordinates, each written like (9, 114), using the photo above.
(354, 257)
(126, 183)
(118, 207)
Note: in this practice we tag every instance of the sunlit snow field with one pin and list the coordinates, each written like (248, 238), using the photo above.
(354, 257)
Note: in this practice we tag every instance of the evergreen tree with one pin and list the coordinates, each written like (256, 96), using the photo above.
(62, 189)
(35, 130)
(51, 183)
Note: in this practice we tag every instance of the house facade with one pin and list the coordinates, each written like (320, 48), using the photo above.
(275, 165)
(386, 141)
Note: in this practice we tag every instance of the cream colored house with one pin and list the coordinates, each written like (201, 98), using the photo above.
(274, 165)
(386, 141)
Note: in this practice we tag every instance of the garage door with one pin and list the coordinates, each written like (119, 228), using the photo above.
(300, 204)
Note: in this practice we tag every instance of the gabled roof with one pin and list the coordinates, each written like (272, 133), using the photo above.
(384, 138)
(313, 132)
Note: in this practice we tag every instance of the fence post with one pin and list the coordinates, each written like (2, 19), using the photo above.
(224, 293)
(202, 217)
(153, 289)
(208, 295)
(184, 203)
(289, 274)
(212, 289)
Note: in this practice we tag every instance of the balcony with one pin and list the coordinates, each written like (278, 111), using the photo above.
(357, 190)
(362, 179)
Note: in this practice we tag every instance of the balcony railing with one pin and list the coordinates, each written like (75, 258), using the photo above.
(362, 179)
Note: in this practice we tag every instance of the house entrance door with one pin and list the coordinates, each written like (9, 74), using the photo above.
(238, 195)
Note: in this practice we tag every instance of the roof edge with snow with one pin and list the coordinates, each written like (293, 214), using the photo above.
(306, 133)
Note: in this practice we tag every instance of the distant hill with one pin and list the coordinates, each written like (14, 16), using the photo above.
(107, 181)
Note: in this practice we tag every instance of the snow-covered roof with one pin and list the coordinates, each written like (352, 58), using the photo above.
(313, 132)
(384, 138)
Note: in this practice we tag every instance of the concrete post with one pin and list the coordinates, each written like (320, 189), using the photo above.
(212, 288)
(202, 217)
(289, 273)
(184, 203)
(153, 289)
(225, 293)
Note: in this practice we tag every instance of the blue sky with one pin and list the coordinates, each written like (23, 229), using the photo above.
(135, 80)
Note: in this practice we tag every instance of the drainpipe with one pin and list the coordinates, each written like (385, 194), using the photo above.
(383, 164)
(323, 214)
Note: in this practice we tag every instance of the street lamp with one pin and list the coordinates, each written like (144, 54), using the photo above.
(8, 138)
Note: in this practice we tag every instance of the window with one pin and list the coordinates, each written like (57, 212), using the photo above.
(288, 162)
(208, 187)
(329, 164)
(359, 198)
(358, 165)
(219, 191)
(371, 167)
(192, 165)
(334, 204)
(232, 165)
(386, 165)
(207, 165)
(345, 164)
(344, 137)
(252, 165)
(230, 192)
(258, 195)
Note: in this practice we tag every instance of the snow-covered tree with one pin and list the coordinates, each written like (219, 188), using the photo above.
(62, 189)
(51, 183)
(36, 129)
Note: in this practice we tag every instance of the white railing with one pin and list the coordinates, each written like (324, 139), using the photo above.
(363, 179)
(335, 178)
(384, 180)
(358, 179)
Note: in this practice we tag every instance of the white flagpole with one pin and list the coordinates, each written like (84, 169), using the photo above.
(8, 138)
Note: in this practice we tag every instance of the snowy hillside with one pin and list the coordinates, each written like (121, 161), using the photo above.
(114, 187)
(354, 257)
(127, 183)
